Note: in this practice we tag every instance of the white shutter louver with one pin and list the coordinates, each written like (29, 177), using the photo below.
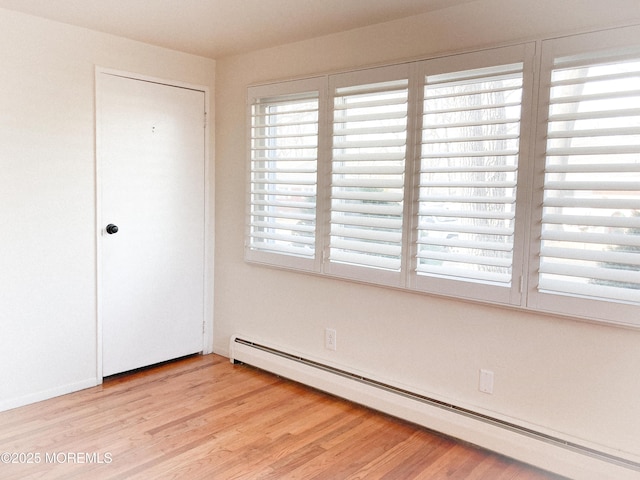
(284, 158)
(468, 173)
(367, 179)
(590, 242)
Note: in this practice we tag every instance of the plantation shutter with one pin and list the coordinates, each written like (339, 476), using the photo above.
(283, 183)
(590, 241)
(468, 173)
(367, 174)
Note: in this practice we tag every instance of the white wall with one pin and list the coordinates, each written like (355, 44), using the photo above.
(47, 196)
(566, 377)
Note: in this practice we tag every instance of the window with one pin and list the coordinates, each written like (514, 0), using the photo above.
(590, 219)
(468, 172)
(368, 157)
(440, 176)
(283, 183)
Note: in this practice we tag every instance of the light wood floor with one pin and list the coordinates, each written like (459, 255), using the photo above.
(203, 418)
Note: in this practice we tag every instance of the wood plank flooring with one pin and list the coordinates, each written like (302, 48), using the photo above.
(203, 418)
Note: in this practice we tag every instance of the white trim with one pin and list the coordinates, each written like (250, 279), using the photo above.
(151, 79)
(209, 224)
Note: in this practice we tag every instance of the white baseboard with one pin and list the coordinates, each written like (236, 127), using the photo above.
(567, 460)
(8, 404)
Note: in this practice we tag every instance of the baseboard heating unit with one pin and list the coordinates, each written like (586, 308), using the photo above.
(554, 454)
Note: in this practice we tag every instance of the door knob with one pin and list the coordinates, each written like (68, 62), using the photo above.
(111, 229)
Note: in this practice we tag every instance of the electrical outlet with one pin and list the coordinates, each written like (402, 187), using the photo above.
(330, 339)
(486, 381)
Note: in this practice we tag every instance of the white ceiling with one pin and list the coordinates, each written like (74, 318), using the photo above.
(215, 28)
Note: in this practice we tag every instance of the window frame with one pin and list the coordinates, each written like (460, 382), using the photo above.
(363, 272)
(484, 291)
(601, 310)
(284, 89)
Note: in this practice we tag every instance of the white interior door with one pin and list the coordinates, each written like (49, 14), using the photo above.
(151, 154)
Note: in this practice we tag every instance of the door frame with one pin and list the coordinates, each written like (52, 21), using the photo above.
(209, 208)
